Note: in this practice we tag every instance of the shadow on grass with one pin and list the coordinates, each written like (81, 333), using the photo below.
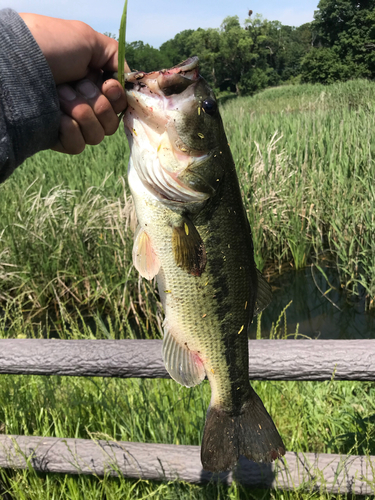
(247, 473)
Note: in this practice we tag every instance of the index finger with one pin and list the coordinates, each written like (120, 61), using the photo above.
(115, 94)
(110, 88)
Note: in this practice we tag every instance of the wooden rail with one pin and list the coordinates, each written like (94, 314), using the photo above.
(268, 359)
(333, 473)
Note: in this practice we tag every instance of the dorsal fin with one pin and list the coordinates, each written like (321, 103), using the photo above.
(264, 295)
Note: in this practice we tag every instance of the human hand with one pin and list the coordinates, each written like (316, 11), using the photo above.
(77, 53)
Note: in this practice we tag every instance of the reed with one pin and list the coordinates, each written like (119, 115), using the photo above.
(307, 170)
(305, 159)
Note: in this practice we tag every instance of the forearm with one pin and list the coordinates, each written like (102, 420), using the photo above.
(29, 106)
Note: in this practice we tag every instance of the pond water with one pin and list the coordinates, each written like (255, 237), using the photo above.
(317, 317)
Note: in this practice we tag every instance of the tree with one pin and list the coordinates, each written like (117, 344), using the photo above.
(243, 58)
(347, 29)
(243, 55)
(289, 46)
(178, 48)
(236, 53)
(141, 56)
(323, 66)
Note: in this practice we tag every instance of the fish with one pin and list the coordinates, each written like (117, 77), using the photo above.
(193, 235)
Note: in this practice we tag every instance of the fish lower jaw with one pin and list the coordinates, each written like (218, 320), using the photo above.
(146, 103)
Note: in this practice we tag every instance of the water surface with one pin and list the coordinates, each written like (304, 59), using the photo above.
(334, 316)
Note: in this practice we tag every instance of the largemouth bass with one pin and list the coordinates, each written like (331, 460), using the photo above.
(194, 236)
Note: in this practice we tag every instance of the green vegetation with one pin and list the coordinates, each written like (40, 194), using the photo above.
(306, 165)
(121, 42)
(305, 158)
(344, 42)
(244, 58)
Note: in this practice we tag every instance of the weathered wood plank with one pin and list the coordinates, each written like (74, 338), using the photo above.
(268, 359)
(332, 473)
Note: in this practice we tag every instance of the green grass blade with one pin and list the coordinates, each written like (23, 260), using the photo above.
(121, 49)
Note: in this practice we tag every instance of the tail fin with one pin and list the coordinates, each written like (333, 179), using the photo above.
(251, 433)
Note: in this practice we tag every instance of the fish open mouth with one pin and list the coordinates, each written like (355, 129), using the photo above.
(156, 102)
(165, 82)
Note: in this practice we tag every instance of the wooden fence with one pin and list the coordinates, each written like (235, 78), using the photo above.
(268, 360)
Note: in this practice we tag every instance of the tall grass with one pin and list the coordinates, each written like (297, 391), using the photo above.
(305, 158)
(306, 162)
(306, 166)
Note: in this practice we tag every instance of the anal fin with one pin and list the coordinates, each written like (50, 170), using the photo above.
(145, 259)
(183, 365)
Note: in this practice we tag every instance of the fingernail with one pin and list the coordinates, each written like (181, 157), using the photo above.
(87, 88)
(66, 92)
(113, 94)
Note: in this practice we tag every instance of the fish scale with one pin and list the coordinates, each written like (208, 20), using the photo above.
(195, 238)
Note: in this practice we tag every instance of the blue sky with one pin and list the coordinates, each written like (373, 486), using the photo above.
(156, 21)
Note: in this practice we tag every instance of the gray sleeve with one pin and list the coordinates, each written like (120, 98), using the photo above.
(29, 106)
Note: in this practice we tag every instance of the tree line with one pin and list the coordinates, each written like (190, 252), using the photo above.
(339, 44)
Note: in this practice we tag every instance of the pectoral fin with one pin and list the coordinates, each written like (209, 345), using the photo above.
(183, 365)
(264, 295)
(145, 259)
(188, 248)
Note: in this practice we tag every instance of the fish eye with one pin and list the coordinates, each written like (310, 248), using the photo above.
(209, 105)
